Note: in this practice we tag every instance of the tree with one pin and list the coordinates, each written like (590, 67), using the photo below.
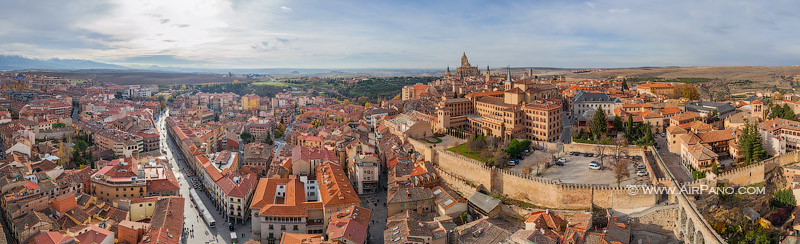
(476, 143)
(624, 85)
(601, 152)
(782, 198)
(599, 123)
(714, 117)
(527, 170)
(500, 157)
(515, 147)
(750, 144)
(618, 127)
(629, 132)
(788, 113)
(689, 92)
(246, 136)
(621, 170)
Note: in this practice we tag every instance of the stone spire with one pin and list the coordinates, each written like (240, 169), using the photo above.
(464, 61)
(508, 76)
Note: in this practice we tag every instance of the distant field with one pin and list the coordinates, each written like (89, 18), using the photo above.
(144, 77)
(270, 83)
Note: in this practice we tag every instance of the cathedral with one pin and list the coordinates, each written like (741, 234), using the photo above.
(466, 70)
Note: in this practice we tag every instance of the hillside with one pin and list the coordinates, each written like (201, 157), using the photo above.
(746, 77)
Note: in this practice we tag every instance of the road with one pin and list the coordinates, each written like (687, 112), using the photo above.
(192, 219)
(376, 202)
(673, 161)
(280, 143)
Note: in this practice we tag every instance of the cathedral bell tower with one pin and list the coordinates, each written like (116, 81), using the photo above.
(508, 84)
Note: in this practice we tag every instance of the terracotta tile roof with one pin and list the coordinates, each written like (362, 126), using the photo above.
(348, 229)
(673, 130)
(410, 194)
(167, 222)
(544, 219)
(334, 186)
(685, 116)
(292, 204)
(94, 235)
(295, 238)
(481, 94)
(515, 90)
(716, 136)
(357, 213)
(237, 185)
(446, 197)
(670, 111)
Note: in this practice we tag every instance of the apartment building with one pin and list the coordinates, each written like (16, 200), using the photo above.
(118, 180)
(287, 205)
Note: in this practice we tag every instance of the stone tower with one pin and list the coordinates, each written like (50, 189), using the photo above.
(443, 114)
(508, 84)
(464, 61)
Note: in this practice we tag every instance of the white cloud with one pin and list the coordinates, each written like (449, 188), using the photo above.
(406, 34)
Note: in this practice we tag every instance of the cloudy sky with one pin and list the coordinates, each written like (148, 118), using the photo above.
(403, 34)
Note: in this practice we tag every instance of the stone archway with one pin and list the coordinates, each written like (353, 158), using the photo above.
(698, 238)
(690, 231)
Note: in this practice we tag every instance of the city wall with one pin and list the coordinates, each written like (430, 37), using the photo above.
(469, 175)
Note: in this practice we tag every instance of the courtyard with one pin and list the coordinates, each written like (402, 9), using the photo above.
(576, 170)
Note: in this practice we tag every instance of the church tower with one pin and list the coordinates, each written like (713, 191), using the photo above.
(508, 84)
(464, 61)
(488, 74)
(443, 114)
(448, 74)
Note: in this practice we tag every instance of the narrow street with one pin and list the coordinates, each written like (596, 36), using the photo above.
(376, 202)
(192, 219)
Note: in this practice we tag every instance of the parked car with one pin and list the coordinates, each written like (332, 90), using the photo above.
(562, 160)
(526, 151)
(512, 163)
(516, 161)
(230, 226)
(594, 165)
(641, 173)
(663, 134)
(547, 165)
(586, 155)
(641, 166)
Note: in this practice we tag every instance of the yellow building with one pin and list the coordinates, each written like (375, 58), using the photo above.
(250, 102)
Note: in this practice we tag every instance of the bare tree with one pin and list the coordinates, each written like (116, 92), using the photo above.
(621, 170)
(527, 170)
(620, 150)
(600, 150)
(491, 142)
(539, 161)
(500, 157)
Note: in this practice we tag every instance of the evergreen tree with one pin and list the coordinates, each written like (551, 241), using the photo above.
(618, 127)
(599, 123)
(759, 152)
(629, 132)
(788, 113)
(624, 85)
(750, 145)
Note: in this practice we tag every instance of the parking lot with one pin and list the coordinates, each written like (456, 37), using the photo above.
(576, 170)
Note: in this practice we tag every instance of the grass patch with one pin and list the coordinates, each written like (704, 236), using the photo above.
(436, 140)
(466, 152)
(269, 83)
